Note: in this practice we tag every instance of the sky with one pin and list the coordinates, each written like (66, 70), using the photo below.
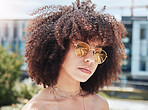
(20, 9)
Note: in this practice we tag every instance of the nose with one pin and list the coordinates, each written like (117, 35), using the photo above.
(89, 58)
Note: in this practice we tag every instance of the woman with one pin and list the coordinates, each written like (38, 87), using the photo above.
(73, 51)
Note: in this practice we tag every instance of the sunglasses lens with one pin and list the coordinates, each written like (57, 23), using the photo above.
(100, 56)
(81, 49)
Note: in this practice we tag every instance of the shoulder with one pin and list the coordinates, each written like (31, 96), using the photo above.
(100, 102)
(32, 105)
(43, 98)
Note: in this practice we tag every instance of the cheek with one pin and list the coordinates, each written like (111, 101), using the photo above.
(70, 60)
(95, 67)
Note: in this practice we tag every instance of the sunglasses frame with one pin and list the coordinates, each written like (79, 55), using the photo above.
(94, 50)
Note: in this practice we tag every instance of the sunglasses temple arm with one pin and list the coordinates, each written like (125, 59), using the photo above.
(73, 43)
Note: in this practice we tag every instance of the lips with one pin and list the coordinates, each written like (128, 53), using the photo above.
(84, 70)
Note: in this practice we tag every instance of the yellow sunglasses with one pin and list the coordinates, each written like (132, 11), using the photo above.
(83, 48)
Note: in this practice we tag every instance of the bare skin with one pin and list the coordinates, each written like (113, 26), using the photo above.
(70, 76)
(45, 101)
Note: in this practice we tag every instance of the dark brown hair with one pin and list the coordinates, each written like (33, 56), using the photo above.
(49, 33)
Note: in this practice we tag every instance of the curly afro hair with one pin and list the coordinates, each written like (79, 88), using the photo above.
(49, 33)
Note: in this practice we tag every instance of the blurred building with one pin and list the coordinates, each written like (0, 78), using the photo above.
(136, 42)
(11, 34)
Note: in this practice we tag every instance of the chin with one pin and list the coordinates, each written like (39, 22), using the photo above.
(82, 80)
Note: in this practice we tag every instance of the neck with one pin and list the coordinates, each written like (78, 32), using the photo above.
(67, 83)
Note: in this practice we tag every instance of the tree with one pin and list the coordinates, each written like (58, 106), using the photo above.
(10, 64)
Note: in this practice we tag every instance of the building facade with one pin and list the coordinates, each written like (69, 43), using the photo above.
(137, 47)
(11, 35)
(140, 49)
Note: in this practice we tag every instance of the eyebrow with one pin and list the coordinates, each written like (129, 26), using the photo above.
(98, 46)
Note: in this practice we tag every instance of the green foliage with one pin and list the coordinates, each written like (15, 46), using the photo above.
(10, 64)
(103, 94)
(26, 89)
(133, 95)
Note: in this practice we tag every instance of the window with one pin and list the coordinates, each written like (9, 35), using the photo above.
(15, 30)
(143, 47)
(142, 64)
(21, 47)
(6, 30)
(4, 43)
(23, 27)
(13, 45)
(143, 32)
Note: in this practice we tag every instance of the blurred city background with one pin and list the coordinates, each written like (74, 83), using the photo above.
(130, 93)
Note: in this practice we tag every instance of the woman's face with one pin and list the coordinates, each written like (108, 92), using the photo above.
(79, 68)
